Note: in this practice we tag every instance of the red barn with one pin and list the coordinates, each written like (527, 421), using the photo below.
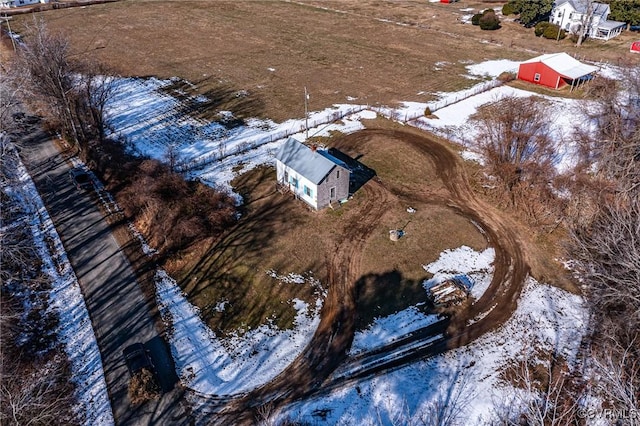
(555, 70)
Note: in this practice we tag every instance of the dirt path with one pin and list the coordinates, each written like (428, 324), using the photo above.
(308, 374)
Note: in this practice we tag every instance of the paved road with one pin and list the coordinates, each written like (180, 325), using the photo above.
(114, 300)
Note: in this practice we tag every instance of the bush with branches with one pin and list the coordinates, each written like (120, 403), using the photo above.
(553, 32)
(540, 27)
(36, 387)
(489, 20)
(604, 240)
(143, 387)
(509, 9)
(515, 137)
(168, 210)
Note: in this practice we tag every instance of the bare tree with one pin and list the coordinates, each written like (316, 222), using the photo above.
(172, 156)
(606, 243)
(447, 407)
(10, 84)
(546, 394)
(35, 386)
(617, 370)
(98, 89)
(515, 137)
(45, 59)
(585, 23)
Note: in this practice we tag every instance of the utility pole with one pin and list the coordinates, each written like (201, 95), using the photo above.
(560, 25)
(306, 111)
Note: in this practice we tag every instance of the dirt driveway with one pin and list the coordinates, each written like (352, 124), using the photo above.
(309, 373)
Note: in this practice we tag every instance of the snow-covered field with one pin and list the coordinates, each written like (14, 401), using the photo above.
(75, 331)
(467, 381)
(213, 366)
(152, 123)
(463, 260)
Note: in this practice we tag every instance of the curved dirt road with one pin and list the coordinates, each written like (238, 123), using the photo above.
(308, 374)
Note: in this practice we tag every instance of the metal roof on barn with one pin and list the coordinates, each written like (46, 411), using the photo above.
(313, 165)
(564, 65)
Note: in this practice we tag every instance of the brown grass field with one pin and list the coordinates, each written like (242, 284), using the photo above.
(376, 51)
(280, 233)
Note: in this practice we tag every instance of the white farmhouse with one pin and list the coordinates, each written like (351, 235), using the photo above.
(4, 4)
(312, 175)
(570, 15)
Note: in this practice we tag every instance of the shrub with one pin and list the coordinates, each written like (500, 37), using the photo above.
(143, 387)
(553, 31)
(169, 211)
(427, 112)
(540, 28)
(489, 21)
(506, 77)
(508, 9)
(475, 19)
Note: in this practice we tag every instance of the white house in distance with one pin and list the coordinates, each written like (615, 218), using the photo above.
(313, 175)
(570, 15)
(4, 4)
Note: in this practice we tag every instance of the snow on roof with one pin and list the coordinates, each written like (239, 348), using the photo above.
(564, 64)
(313, 165)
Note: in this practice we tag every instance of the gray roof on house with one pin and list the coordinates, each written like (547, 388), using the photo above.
(313, 165)
(581, 7)
(609, 25)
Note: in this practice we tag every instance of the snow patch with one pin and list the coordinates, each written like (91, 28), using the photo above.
(75, 330)
(214, 366)
(470, 377)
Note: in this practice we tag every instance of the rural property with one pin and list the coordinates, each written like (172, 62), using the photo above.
(320, 212)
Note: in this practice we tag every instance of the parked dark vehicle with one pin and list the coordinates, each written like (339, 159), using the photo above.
(143, 385)
(81, 178)
(136, 357)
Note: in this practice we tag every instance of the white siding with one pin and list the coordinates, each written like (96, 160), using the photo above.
(17, 3)
(299, 191)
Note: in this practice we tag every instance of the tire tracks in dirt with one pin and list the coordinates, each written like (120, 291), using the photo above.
(309, 372)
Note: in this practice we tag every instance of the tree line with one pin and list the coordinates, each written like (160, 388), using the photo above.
(71, 93)
(596, 202)
(532, 12)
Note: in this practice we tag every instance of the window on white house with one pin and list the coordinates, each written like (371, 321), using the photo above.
(286, 176)
(294, 182)
(307, 191)
(536, 77)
